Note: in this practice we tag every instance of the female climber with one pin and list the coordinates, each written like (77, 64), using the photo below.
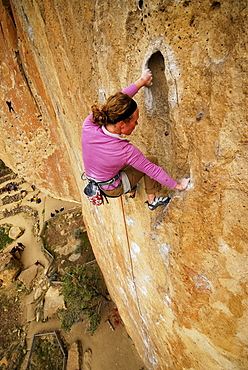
(112, 161)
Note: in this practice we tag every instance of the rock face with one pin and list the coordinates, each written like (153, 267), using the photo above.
(179, 276)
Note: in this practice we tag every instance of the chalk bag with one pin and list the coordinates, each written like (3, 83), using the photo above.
(94, 194)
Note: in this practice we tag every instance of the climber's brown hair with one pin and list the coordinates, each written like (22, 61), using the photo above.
(118, 107)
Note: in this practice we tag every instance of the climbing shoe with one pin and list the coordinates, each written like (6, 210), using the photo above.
(158, 201)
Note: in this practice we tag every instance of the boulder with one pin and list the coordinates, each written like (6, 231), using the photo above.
(68, 248)
(74, 257)
(87, 358)
(73, 361)
(53, 301)
(15, 232)
(28, 275)
(9, 268)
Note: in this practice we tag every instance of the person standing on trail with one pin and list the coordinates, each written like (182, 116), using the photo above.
(112, 161)
(15, 251)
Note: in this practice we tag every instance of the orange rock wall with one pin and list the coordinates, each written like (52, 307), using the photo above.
(179, 276)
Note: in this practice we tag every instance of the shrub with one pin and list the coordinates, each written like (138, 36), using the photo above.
(4, 236)
(81, 291)
(84, 246)
(78, 234)
(47, 355)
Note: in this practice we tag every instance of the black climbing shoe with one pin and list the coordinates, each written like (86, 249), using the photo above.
(158, 201)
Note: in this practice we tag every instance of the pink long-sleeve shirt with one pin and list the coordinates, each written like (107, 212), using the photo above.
(105, 154)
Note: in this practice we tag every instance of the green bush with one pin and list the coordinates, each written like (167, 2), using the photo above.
(4, 236)
(47, 355)
(81, 291)
(12, 345)
(78, 234)
(94, 320)
(69, 317)
(84, 246)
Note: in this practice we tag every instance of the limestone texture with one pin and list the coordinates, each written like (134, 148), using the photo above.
(178, 276)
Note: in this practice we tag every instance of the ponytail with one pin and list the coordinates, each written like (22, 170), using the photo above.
(99, 116)
(118, 107)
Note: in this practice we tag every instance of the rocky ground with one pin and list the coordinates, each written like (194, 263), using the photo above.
(30, 285)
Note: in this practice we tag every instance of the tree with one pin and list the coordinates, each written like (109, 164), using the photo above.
(82, 292)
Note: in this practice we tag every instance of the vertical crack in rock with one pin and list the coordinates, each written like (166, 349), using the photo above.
(28, 84)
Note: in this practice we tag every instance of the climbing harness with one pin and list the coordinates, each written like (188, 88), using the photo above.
(105, 183)
(93, 190)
